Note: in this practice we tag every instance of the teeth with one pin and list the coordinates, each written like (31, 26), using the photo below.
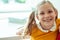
(48, 20)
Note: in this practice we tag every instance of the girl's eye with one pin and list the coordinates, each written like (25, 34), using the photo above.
(42, 13)
(50, 11)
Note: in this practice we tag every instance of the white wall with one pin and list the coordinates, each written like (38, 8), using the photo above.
(13, 6)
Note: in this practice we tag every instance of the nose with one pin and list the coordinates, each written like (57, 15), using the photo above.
(46, 15)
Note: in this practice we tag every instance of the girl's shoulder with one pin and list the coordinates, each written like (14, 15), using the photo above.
(58, 20)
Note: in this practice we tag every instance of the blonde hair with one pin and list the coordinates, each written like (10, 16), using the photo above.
(31, 18)
(43, 2)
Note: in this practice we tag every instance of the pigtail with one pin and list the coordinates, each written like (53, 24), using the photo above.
(28, 26)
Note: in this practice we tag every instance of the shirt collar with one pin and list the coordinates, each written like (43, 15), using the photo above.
(52, 29)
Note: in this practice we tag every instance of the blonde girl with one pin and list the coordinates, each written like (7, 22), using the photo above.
(42, 23)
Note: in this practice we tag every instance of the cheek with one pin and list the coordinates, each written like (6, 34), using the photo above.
(41, 18)
(54, 16)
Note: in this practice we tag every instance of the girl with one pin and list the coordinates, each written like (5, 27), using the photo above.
(42, 23)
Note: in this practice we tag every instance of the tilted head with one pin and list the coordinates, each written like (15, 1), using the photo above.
(46, 14)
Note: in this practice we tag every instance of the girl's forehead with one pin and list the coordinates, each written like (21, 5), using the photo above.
(45, 6)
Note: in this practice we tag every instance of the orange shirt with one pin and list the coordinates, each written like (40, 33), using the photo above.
(37, 34)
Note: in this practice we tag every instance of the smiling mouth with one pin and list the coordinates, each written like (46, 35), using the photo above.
(48, 20)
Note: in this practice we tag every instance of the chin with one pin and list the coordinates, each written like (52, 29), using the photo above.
(47, 28)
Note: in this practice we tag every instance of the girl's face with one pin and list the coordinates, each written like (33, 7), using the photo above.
(46, 16)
